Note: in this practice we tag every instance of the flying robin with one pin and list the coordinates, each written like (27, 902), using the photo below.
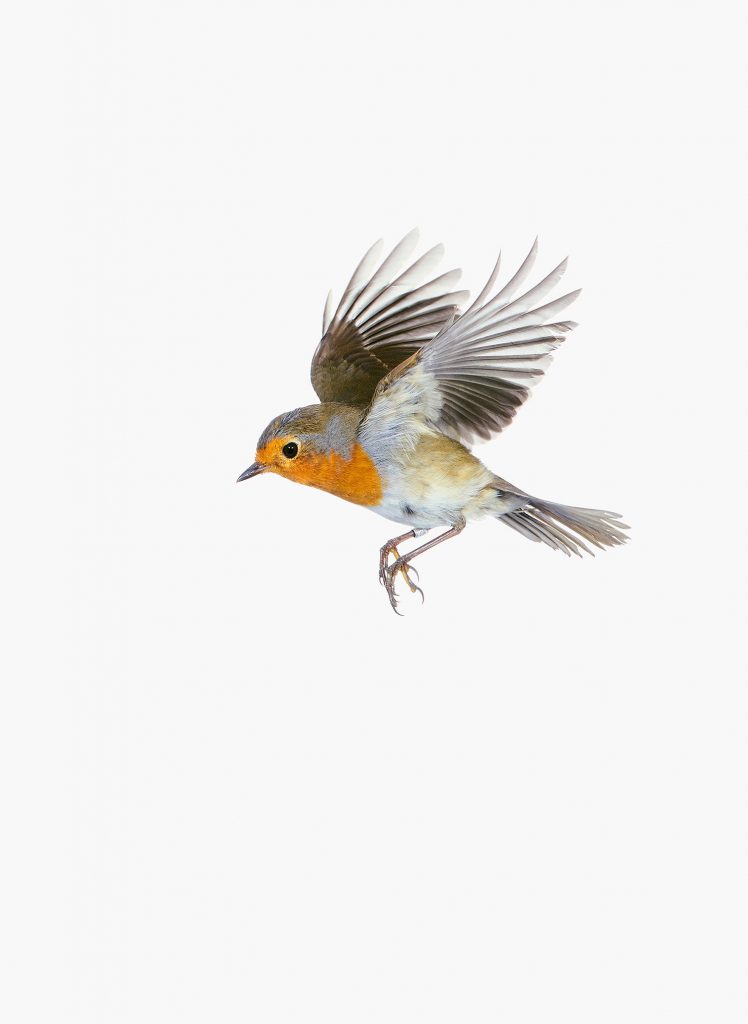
(406, 382)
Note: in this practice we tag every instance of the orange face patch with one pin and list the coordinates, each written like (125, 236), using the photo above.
(356, 479)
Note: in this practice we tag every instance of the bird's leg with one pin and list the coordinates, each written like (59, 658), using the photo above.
(401, 563)
(386, 578)
(387, 549)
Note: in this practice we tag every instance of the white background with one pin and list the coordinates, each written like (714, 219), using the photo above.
(235, 786)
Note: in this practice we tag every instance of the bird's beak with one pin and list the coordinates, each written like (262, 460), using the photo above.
(253, 470)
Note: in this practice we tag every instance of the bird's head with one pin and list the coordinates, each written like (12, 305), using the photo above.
(306, 444)
(288, 443)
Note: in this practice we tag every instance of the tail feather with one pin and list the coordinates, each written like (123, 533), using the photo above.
(565, 527)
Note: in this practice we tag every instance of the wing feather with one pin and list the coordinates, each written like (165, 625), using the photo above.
(478, 370)
(327, 314)
(385, 314)
(360, 275)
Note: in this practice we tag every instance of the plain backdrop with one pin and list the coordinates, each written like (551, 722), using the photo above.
(235, 786)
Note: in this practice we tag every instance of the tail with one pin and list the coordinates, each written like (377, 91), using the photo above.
(565, 527)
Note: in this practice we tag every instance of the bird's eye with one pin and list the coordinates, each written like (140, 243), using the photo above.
(291, 450)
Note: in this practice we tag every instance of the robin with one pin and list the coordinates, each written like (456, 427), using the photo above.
(406, 382)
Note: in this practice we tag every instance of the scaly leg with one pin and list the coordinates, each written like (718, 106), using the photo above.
(391, 548)
(387, 573)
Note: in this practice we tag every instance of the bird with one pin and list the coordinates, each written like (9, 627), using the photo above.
(408, 378)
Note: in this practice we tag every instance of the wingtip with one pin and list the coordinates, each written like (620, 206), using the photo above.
(438, 251)
(327, 312)
(374, 251)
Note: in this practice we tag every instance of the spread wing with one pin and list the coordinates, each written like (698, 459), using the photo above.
(471, 379)
(385, 315)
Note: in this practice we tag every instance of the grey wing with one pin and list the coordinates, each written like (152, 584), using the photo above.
(385, 315)
(471, 379)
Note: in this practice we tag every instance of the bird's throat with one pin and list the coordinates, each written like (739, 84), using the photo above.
(354, 478)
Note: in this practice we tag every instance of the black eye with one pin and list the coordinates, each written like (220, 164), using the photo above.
(291, 450)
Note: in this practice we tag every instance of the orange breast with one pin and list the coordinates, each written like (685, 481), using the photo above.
(355, 479)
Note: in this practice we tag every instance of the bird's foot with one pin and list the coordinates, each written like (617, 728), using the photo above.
(384, 554)
(389, 573)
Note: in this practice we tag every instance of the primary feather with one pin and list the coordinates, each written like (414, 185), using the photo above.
(472, 377)
(384, 315)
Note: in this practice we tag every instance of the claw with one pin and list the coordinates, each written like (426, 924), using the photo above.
(388, 571)
(389, 586)
(387, 576)
(384, 555)
(400, 565)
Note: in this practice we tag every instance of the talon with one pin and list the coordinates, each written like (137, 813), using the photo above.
(389, 587)
(384, 555)
(406, 571)
(401, 566)
(388, 571)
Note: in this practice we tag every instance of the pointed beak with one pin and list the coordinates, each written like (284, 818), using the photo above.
(253, 470)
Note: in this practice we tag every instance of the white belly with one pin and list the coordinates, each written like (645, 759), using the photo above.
(435, 495)
(423, 517)
(428, 479)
